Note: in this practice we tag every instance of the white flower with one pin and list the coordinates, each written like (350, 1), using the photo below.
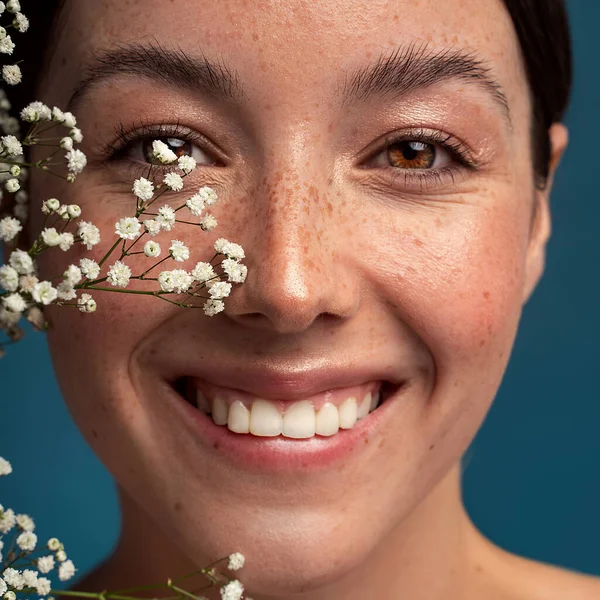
(73, 274)
(12, 145)
(27, 541)
(11, 74)
(3, 586)
(13, 577)
(203, 271)
(76, 161)
(152, 227)
(177, 280)
(30, 577)
(166, 217)
(69, 120)
(25, 522)
(5, 466)
(14, 302)
(86, 303)
(208, 222)
(9, 278)
(8, 318)
(44, 293)
(232, 590)
(161, 151)
(186, 163)
(128, 228)
(195, 204)
(152, 249)
(45, 564)
(9, 228)
(27, 283)
(13, 6)
(66, 240)
(53, 544)
(51, 237)
(43, 586)
(236, 561)
(208, 195)
(21, 262)
(173, 181)
(90, 268)
(74, 211)
(66, 143)
(66, 570)
(36, 111)
(179, 251)
(76, 135)
(119, 274)
(230, 249)
(236, 272)
(12, 185)
(7, 45)
(212, 307)
(7, 522)
(15, 171)
(143, 188)
(89, 234)
(66, 291)
(219, 290)
(61, 555)
(10, 595)
(21, 22)
(51, 205)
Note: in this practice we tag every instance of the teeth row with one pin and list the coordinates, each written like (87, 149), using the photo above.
(299, 421)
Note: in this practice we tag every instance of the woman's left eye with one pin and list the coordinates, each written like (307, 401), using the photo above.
(413, 154)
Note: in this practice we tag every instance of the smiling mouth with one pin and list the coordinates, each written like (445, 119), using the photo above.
(323, 414)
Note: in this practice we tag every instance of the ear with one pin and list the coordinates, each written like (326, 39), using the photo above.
(541, 226)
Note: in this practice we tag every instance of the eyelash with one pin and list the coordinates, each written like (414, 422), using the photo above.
(145, 131)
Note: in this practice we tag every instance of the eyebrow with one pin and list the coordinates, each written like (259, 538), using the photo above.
(168, 66)
(404, 70)
(415, 67)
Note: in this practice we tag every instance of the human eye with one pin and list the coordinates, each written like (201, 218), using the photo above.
(132, 148)
(421, 157)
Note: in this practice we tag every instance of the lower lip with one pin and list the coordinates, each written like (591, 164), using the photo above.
(254, 453)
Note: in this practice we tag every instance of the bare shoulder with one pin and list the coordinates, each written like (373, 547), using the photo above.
(501, 575)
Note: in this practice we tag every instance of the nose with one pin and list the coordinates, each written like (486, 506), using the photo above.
(299, 267)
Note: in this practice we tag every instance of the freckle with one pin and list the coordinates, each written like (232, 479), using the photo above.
(95, 433)
(486, 295)
(255, 37)
(216, 445)
(177, 506)
(432, 446)
(482, 343)
(418, 242)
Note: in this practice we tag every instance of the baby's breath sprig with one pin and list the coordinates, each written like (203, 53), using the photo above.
(20, 569)
(23, 295)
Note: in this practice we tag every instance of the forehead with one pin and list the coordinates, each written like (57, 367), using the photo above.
(301, 45)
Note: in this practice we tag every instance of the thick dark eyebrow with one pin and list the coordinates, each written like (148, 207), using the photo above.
(415, 66)
(168, 66)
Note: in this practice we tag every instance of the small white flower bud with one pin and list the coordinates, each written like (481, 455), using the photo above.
(66, 143)
(12, 185)
(15, 170)
(74, 211)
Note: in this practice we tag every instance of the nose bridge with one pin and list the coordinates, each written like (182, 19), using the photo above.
(293, 275)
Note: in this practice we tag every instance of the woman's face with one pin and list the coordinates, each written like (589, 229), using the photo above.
(408, 265)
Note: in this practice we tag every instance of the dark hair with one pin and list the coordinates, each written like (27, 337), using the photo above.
(542, 29)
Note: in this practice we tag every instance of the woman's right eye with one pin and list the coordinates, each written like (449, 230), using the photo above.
(140, 150)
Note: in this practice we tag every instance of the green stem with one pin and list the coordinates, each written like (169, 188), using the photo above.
(109, 252)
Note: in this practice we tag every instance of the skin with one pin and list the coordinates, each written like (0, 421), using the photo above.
(430, 280)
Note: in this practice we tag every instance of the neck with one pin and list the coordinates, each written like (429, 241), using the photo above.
(434, 554)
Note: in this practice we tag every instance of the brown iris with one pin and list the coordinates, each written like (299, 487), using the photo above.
(180, 147)
(411, 155)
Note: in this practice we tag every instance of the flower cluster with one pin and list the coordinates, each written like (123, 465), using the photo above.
(20, 570)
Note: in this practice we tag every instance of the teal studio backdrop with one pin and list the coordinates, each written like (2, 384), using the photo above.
(532, 476)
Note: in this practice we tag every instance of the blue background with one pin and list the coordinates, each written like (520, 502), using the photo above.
(532, 480)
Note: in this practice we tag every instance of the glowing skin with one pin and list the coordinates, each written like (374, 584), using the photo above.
(346, 267)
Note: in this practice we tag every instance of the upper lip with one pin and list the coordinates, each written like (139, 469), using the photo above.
(279, 384)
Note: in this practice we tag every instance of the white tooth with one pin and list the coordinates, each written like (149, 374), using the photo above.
(220, 412)
(375, 400)
(202, 402)
(328, 420)
(364, 406)
(299, 421)
(239, 418)
(265, 419)
(348, 413)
